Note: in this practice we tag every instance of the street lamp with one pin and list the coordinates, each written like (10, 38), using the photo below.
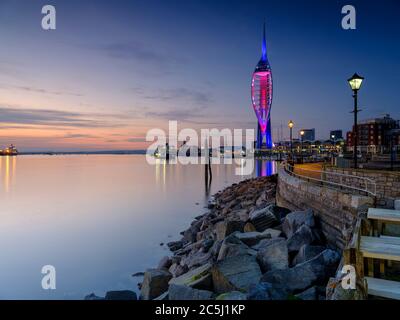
(291, 125)
(355, 83)
(302, 134)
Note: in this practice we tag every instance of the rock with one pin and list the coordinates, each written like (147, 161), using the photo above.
(162, 297)
(307, 252)
(176, 269)
(335, 291)
(301, 237)
(215, 249)
(241, 214)
(196, 258)
(165, 263)
(226, 227)
(251, 238)
(231, 247)
(175, 245)
(263, 219)
(207, 244)
(155, 283)
(92, 296)
(233, 295)
(138, 274)
(295, 220)
(309, 294)
(199, 278)
(304, 275)
(235, 273)
(249, 227)
(180, 292)
(272, 232)
(121, 295)
(273, 255)
(265, 291)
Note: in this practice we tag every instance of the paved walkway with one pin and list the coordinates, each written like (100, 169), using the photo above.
(307, 169)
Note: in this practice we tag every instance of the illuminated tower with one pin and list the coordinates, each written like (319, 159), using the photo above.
(261, 97)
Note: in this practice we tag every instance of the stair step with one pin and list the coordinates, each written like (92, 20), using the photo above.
(385, 215)
(383, 288)
(380, 248)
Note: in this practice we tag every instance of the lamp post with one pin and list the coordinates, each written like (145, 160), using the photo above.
(291, 125)
(355, 83)
(302, 135)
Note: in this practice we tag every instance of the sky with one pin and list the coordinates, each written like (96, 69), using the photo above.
(112, 70)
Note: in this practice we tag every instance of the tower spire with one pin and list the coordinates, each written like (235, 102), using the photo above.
(264, 46)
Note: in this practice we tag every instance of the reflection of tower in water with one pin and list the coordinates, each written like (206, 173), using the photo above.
(8, 167)
(265, 168)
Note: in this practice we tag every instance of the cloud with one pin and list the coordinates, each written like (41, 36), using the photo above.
(56, 118)
(42, 91)
(195, 97)
(136, 139)
(78, 135)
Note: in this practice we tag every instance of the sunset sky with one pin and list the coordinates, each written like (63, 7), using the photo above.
(112, 70)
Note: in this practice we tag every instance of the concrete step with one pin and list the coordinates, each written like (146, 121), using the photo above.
(384, 215)
(383, 288)
(386, 248)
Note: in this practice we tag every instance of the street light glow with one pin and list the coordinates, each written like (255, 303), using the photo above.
(355, 82)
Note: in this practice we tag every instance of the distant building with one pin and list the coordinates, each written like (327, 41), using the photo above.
(375, 135)
(309, 134)
(336, 135)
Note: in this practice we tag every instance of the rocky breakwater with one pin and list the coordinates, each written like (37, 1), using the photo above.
(245, 247)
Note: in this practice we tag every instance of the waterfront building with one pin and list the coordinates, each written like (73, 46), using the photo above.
(375, 135)
(261, 97)
(309, 134)
(336, 135)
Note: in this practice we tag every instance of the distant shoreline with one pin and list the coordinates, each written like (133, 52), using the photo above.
(54, 153)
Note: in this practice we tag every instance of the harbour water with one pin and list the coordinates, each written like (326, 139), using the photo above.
(96, 218)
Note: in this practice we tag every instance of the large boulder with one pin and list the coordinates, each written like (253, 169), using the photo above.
(228, 226)
(233, 295)
(196, 258)
(121, 295)
(235, 273)
(251, 238)
(177, 269)
(231, 247)
(93, 296)
(293, 221)
(180, 292)
(199, 278)
(307, 252)
(301, 237)
(273, 255)
(263, 218)
(302, 276)
(155, 282)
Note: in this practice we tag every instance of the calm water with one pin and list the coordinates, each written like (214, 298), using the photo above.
(96, 218)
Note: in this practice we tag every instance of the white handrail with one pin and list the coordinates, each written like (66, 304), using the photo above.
(324, 179)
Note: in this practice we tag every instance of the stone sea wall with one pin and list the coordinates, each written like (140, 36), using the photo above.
(387, 183)
(335, 209)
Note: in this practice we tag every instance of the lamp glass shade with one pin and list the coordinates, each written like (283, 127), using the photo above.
(291, 124)
(355, 82)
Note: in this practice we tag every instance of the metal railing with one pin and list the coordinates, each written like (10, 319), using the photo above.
(348, 182)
